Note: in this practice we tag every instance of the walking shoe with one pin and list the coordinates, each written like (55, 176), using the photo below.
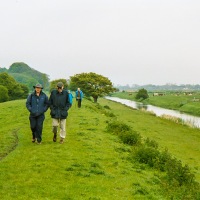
(61, 140)
(39, 142)
(33, 140)
(54, 137)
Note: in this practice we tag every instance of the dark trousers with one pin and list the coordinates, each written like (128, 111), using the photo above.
(36, 124)
(79, 103)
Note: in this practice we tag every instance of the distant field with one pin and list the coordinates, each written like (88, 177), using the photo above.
(92, 163)
(171, 100)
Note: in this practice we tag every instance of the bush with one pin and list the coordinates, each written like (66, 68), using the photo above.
(117, 127)
(147, 155)
(130, 137)
(151, 143)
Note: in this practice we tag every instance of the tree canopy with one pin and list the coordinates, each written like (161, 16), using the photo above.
(92, 84)
(53, 84)
(15, 90)
(142, 94)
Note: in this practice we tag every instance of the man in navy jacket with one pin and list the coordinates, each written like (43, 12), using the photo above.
(59, 105)
(37, 104)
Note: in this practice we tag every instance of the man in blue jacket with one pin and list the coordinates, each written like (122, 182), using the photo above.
(37, 104)
(79, 96)
(59, 105)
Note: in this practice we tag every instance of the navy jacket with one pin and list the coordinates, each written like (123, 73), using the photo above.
(37, 105)
(59, 104)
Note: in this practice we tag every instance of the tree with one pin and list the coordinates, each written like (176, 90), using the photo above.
(53, 84)
(3, 94)
(142, 94)
(92, 84)
(15, 90)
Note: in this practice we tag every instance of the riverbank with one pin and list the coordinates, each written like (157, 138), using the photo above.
(182, 103)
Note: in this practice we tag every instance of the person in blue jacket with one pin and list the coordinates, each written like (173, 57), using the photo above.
(70, 97)
(37, 105)
(79, 96)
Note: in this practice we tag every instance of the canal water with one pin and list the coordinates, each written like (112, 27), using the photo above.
(193, 120)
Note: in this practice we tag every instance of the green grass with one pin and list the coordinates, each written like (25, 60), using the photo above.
(92, 163)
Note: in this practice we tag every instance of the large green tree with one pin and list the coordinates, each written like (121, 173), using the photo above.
(92, 84)
(15, 90)
(142, 94)
(53, 84)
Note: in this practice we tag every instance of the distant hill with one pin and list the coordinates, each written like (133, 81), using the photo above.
(26, 75)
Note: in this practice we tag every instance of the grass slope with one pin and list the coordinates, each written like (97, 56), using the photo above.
(92, 163)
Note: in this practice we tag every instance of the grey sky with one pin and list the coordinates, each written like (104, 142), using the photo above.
(128, 41)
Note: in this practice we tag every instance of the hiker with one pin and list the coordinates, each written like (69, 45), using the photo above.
(79, 97)
(37, 104)
(70, 97)
(59, 106)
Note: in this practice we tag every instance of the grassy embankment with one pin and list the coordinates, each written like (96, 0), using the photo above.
(183, 103)
(92, 163)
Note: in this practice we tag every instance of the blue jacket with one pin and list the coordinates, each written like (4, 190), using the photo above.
(37, 105)
(71, 98)
(81, 94)
(59, 104)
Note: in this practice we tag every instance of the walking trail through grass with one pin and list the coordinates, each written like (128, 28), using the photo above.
(91, 164)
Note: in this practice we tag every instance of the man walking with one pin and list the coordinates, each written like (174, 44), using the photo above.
(37, 104)
(79, 97)
(59, 105)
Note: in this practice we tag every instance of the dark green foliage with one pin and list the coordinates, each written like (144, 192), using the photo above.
(92, 84)
(15, 89)
(125, 133)
(147, 155)
(151, 143)
(117, 127)
(3, 94)
(107, 107)
(178, 173)
(142, 94)
(130, 137)
(53, 84)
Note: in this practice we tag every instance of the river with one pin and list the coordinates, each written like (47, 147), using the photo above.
(192, 120)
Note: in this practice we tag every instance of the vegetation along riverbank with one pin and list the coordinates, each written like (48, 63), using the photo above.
(111, 152)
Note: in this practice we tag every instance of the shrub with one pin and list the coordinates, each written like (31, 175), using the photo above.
(117, 127)
(130, 137)
(147, 155)
(151, 143)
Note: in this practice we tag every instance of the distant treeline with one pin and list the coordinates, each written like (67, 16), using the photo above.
(150, 87)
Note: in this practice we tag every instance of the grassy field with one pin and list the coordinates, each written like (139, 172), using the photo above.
(92, 163)
(183, 103)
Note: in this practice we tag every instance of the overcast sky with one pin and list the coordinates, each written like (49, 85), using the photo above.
(128, 41)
